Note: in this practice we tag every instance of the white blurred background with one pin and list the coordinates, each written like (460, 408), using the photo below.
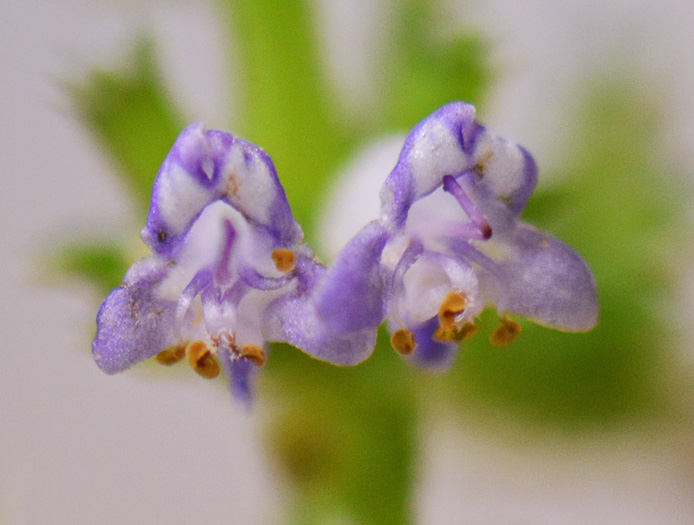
(77, 446)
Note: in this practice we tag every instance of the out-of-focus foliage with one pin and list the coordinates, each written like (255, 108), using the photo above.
(613, 205)
(100, 264)
(346, 438)
(132, 117)
(426, 69)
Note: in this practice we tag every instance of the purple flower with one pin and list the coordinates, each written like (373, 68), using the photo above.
(228, 272)
(454, 243)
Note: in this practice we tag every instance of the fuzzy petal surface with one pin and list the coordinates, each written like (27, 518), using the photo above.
(133, 324)
(546, 281)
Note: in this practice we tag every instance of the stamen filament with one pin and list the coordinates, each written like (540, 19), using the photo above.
(450, 185)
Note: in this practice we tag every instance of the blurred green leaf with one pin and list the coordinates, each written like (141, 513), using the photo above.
(613, 205)
(285, 100)
(135, 122)
(101, 265)
(346, 437)
(132, 117)
(425, 69)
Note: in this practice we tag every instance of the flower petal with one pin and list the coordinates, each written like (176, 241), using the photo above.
(427, 283)
(206, 166)
(134, 324)
(496, 174)
(185, 185)
(251, 185)
(435, 147)
(350, 296)
(430, 353)
(241, 373)
(543, 279)
(295, 318)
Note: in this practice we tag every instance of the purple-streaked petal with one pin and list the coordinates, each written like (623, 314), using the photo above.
(430, 353)
(544, 280)
(412, 253)
(252, 187)
(496, 176)
(506, 177)
(186, 183)
(294, 318)
(350, 296)
(241, 373)
(133, 324)
(206, 166)
(435, 147)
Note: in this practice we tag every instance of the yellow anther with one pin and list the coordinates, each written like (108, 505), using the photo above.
(284, 259)
(254, 353)
(403, 341)
(455, 334)
(451, 307)
(506, 333)
(202, 360)
(171, 355)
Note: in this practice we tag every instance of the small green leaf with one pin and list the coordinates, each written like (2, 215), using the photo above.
(345, 436)
(131, 116)
(285, 100)
(98, 264)
(425, 70)
(615, 207)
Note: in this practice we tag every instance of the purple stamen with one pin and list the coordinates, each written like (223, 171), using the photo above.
(450, 185)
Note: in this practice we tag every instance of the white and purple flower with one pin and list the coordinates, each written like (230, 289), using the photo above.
(449, 212)
(228, 272)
